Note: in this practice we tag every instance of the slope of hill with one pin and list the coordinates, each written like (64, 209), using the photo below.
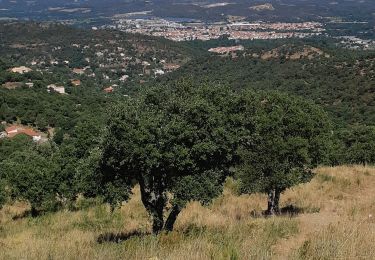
(104, 56)
(329, 218)
(90, 68)
(340, 80)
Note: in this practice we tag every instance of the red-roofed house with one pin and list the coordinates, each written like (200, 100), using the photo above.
(76, 82)
(109, 90)
(14, 130)
(79, 71)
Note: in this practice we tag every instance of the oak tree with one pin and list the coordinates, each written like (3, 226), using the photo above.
(290, 139)
(178, 143)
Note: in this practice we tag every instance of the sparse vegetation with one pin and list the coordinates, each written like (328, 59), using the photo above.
(226, 230)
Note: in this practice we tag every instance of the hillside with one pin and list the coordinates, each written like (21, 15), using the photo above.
(56, 75)
(329, 218)
(340, 80)
(101, 57)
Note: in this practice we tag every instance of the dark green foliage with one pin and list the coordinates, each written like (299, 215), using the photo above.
(91, 183)
(9, 146)
(178, 139)
(33, 177)
(354, 145)
(41, 109)
(292, 138)
(3, 192)
(342, 84)
(45, 174)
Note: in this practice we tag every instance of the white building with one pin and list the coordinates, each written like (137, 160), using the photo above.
(124, 78)
(20, 70)
(159, 72)
(58, 89)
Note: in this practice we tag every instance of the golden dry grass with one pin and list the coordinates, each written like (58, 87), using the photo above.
(335, 223)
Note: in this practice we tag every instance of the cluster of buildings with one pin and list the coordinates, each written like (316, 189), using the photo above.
(54, 88)
(20, 70)
(355, 43)
(188, 31)
(114, 64)
(223, 50)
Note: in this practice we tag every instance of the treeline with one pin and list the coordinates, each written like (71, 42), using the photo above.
(179, 143)
(44, 110)
(341, 83)
(182, 140)
(353, 145)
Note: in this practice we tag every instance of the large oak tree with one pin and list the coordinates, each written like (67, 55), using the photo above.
(178, 143)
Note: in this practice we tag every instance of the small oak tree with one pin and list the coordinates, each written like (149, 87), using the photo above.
(358, 144)
(176, 142)
(32, 177)
(290, 139)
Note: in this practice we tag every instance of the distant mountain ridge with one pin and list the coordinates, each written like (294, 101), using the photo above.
(206, 10)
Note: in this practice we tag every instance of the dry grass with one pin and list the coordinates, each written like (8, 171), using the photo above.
(334, 224)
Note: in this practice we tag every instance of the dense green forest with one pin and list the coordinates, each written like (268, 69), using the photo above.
(267, 116)
(340, 80)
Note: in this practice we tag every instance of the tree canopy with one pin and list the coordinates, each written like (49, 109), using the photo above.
(179, 140)
(34, 178)
(291, 138)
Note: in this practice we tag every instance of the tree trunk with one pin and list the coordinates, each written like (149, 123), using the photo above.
(169, 223)
(34, 212)
(157, 221)
(154, 199)
(273, 202)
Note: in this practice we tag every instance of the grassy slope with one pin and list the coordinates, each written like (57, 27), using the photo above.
(335, 224)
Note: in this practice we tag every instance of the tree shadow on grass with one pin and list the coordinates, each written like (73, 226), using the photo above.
(22, 215)
(289, 210)
(28, 213)
(120, 237)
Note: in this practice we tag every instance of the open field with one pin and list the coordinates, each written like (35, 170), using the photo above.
(328, 218)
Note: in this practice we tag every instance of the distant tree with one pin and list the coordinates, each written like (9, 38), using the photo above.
(5, 112)
(179, 141)
(3, 64)
(41, 122)
(58, 137)
(359, 144)
(32, 177)
(9, 146)
(29, 117)
(337, 152)
(291, 139)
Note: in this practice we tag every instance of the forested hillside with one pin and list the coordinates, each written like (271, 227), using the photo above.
(340, 80)
(84, 63)
(98, 58)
